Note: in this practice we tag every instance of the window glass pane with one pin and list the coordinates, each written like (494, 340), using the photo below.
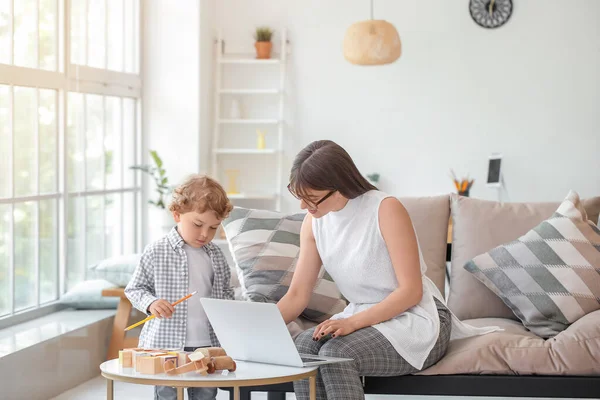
(112, 143)
(96, 33)
(48, 251)
(75, 239)
(75, 136)
(25, 38)
(129, 140)
(115, 34)
(114, 222)
(5, 249)
(25, 244)
(48, 34)
(94, 149)
(129, 222)
(5, 146)
(136, 36)
(25, 149)
(48, 140)
(94, 232)
(129, 39)
(101, 144)
(5, 35)
(78, 38)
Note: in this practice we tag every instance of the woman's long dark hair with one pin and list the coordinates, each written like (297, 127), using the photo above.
(325, 165)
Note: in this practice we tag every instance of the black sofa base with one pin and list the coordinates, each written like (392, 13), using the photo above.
(462, 385)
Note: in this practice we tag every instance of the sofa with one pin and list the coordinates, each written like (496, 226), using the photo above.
(516, 362)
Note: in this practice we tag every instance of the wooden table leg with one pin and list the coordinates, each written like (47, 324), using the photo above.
(179, 393)
(313, 387)
(109, 389)
(117, 338)
(236, 393)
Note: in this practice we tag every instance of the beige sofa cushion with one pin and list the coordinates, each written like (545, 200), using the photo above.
(265, 246)
(549, 277)
(430, 216)
(477, 227)
(516, 351)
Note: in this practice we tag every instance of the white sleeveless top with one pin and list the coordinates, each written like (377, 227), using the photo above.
(355, 254)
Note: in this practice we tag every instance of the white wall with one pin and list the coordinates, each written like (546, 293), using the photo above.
(530, 90)
(208, 9)
(171, 69)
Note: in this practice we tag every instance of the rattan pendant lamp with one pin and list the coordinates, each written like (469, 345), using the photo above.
(372, 42)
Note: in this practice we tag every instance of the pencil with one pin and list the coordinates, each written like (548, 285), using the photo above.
(152, 316)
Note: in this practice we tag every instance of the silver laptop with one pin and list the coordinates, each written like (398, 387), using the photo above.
(250, 331)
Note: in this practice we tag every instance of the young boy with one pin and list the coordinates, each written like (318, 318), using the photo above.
(184, 261)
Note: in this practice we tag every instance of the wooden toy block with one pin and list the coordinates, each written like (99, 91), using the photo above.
(137, 356)
(145, 353)
(221, 363)
(154, 365)
(135, 352)
(164, 359)
(157, 353)
(147, 365)
(182, 357)
(170, 367)
(126, 358)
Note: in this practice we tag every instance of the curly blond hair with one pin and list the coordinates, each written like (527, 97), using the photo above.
(200, 193)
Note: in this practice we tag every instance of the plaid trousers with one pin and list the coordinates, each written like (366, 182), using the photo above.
(373, 355)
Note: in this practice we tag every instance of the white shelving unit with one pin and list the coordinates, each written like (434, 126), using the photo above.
(273, 153)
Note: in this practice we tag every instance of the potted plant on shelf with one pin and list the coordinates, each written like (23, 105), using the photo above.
(263, 43)
(159, 175)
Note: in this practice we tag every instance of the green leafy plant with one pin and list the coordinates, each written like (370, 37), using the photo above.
(263, 34)
(158, 173)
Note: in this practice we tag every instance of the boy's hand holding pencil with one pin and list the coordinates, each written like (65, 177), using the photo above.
(161, 308)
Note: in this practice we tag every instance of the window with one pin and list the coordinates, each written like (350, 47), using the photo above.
(69, 131)
(98, 30)
(101, 188)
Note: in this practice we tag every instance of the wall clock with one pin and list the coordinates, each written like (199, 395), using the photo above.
(490, 13)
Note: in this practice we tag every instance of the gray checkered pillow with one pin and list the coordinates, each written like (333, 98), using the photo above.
(265, 246)
(549, 277)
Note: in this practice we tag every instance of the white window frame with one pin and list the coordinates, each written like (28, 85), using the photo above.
(67, 78)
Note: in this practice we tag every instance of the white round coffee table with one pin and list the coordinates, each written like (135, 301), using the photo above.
(246, 374)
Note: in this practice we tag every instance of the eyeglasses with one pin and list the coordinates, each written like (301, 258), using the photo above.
(311, 205)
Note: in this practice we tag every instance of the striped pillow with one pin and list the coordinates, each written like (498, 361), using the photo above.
(265, 246)
(549, 277)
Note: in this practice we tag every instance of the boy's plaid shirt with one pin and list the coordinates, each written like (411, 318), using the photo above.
(163, 274)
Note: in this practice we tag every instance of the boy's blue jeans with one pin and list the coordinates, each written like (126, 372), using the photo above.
(170, 393)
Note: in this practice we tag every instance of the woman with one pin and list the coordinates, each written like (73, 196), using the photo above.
(396, 322)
